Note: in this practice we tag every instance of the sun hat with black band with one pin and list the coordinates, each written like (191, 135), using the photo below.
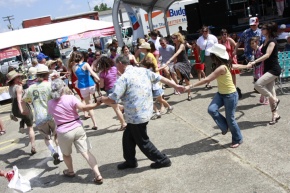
(12, 75)
(219, 50)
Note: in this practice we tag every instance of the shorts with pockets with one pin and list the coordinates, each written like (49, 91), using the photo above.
(47, 129)
(76, 136)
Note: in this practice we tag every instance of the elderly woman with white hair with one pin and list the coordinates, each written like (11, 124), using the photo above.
(69, 128)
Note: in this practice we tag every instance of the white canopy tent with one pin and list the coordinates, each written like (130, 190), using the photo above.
(51, 32)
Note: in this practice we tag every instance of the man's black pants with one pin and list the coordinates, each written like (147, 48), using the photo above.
(136, 134)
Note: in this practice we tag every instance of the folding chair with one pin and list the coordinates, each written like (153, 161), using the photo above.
(284, 76)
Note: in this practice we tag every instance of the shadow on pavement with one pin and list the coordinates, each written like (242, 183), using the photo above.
(204, 145)
(101, 131)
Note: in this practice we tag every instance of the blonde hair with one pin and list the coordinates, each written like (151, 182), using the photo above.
(179, 37)
(59, 60)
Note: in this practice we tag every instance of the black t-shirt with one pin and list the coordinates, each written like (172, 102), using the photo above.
(271, 64)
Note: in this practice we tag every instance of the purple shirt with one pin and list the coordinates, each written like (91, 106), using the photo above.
(110, 77)
(64, 112)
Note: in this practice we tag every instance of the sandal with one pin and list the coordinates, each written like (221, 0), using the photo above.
(66, 173)
(33, 151)
(86, 117)
(94, 128)
(189, 98)
(235, 145)
(276, 105)
(98, 180)
(2, 132)
(274, 120)
(122, 128)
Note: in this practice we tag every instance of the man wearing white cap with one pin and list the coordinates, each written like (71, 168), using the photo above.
(39, 94)
(246, 38)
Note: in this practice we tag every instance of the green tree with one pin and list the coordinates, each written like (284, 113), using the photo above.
(102, 7)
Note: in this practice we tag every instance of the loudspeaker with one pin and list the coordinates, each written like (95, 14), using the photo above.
(193, 17)
(213, 12)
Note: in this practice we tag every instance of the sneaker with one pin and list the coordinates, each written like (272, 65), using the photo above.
(158, 165)
(126, 165)
(156, 116)
(169, 110)
(56, 160)
(176, 92)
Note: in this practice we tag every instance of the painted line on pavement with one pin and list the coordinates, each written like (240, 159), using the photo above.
(13, 142)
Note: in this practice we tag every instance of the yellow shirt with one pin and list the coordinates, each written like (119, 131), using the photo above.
(153, 59)
(225, 83)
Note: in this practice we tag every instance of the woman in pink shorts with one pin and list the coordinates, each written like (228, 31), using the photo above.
(85, 83)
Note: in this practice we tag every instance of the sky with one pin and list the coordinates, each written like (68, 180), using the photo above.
(28, 9)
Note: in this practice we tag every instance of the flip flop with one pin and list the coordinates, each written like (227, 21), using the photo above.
(2, 132)
(66, 173)
(98, 180)
(94, 128)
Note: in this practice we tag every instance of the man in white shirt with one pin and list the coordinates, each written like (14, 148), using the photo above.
(154, 38)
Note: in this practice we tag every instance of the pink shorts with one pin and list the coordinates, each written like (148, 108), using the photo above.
(85, 92)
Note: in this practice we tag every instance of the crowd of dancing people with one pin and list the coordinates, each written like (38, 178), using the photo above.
(133, 85)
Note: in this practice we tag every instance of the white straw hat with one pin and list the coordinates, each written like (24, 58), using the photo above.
(145, 45)
(219, 50)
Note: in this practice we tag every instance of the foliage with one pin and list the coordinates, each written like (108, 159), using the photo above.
(102, 7)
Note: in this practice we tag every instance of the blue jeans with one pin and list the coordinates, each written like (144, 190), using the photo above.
(230, 102)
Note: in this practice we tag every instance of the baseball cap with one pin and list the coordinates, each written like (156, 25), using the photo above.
(41, 56)
(253, 21)
(282, 26)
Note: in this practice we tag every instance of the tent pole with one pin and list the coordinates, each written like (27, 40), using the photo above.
(116, 22)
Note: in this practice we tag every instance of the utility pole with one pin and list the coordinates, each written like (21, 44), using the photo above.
(9, 18)
(89, 6)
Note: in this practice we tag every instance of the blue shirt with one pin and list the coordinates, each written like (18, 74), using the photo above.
(84, 77)
(134, 88)
(246, 39)
(166, 53)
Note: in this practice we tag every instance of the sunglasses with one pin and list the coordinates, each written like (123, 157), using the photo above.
(97, 54)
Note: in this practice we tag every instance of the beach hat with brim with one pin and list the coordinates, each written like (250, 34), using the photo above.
(43, 70)
(145, 45)
(32, 73)
(13, 74)
(219, 50)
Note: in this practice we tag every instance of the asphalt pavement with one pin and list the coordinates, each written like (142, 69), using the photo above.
(202, 161)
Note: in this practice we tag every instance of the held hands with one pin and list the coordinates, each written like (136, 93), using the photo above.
(250, 64)
(180, 89)
(188, 88)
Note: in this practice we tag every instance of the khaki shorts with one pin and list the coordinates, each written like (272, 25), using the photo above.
(77, 137)
(47, 129)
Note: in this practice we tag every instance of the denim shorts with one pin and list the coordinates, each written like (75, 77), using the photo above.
(111, 90)
(158, 92)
